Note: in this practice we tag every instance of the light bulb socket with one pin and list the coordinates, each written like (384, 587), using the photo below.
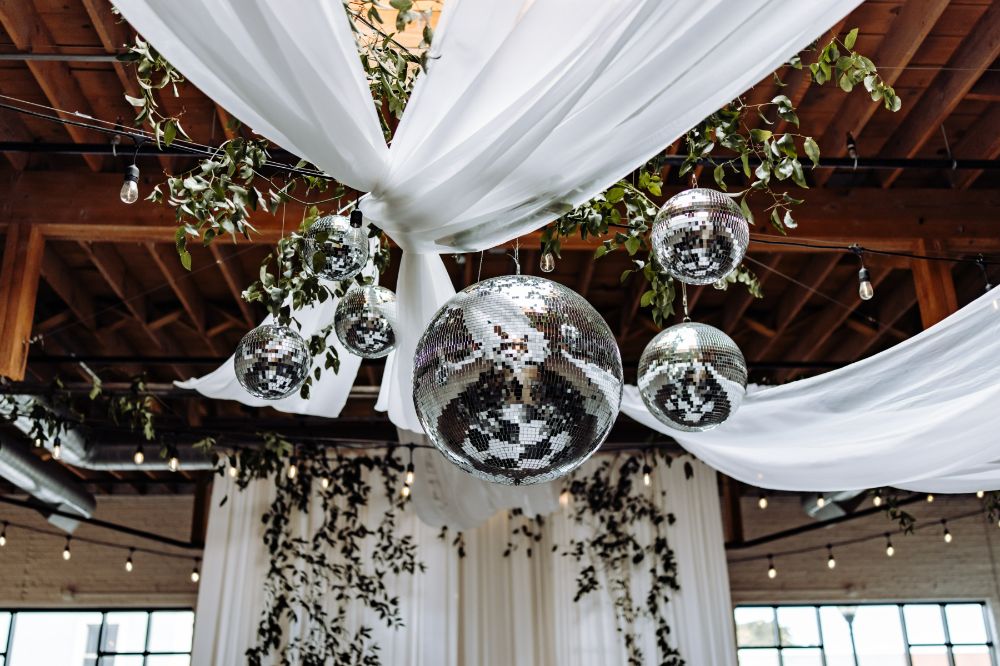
(864, 275)
(132, 173)
(357, 218)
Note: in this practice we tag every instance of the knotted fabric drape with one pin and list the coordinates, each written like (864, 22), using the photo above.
(528, 108)
(484, 609)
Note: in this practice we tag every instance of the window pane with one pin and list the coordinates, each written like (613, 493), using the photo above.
(923, 624)
(836, 637)
(4, 628)
(967, 655)
(754, 626)
(878, 636)
(33, 638)
(802, 657)
(965, 623)
(797, 626)
(929, 656)
(169, 660)
(124, 632)
(758, 657)
(170, 631)
(121, 661)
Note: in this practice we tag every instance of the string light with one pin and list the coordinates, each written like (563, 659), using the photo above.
(820, 501)
(3, 534)
(195, 574)
(138, 457)
(831, 563)
(130, 186)
(409, 476)
(865, 289)
(772, 572)
(646, 479)
(889, 550)
(947, 534)
(57, 449)
(128, 562)
(405, 492)
(930, 498)
(293, 469)
(38, 442)
(174, 463)
(762, 501)
(324, 483)
(877, 500)
(980, 494)
(233, 471)
(66, 553)
(564, 498)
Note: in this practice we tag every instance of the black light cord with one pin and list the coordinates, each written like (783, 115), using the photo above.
(95, 542)
(854, 249)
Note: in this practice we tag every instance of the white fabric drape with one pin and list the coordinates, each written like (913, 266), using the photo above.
(485, 609)
(921, 416)
(529, 108)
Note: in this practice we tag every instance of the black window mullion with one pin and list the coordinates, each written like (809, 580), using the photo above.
(906, 635)
(99, 648)
(10, 638)
(145, 645)
(822, 639)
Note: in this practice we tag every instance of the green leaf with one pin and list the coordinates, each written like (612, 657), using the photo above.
(647, 298)
(812, 150)
(632, 245)
(719, 173)
(851, 38)
(614, 195)
(746, 210)
(760, 135)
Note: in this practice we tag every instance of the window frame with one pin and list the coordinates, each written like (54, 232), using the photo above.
(99, 652)
(990, 643)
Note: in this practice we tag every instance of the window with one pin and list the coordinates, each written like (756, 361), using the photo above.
(928, 634)
(96, 638)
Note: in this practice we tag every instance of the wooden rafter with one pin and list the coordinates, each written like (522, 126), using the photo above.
(892, 308)
(740, 302)
(907, 33)
(934, 285)
(19, 273)
(234, 277)
(976, 52)
(981, 141)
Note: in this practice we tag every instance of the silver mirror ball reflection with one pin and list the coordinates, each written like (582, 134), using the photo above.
(365, 321)
(343, 245)
(272, 361)
(692, 377)
(517, 380)
(700, 236)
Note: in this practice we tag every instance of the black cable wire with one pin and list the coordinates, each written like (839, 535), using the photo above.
(978, 261)
(95, 542)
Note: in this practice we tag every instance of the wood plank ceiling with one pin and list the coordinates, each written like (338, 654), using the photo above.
(113, 293)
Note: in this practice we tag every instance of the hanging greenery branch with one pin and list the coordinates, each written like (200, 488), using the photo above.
(153, 73)
(729, 142)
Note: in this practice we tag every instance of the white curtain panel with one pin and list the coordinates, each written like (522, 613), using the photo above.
(529, 108)
(485, 609)
(922, 415)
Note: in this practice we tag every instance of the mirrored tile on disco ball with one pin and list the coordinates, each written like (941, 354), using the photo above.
(700, 236)
(692, 377)
(517, 380)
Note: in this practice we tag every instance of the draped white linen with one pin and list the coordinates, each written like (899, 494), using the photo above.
(922, 416)
(484, 609)
(529, 108)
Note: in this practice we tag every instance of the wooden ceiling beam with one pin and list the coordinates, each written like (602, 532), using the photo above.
(891, 310)
(19, 274)
(169, 264)
(234, 277)
(738, 305)
(28, 31)
(977, 52)
(934, 285)
(900, 44)
(60, 277)
(987, 89)
(981, 141)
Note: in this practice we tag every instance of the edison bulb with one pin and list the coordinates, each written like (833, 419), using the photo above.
(547, 262)
(762, 502)
(564, 498)
(128, 565)
(405, 492)
(877, 500)
(130, 186)
(324, 483)
(139, 457)
(865, 288)
(772, 573)
(195, 576)
(831, 563)
(889, 550)
(821, 501)
(174, 463)
(947, 537)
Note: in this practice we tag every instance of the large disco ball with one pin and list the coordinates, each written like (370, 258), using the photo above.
(692, 377)
(343, 243)
(700, 236)
(517, 380)
(365, 321)
(272, 361)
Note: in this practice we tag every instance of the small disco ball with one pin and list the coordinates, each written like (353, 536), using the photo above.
(517, 380)
(345, 248)
(365, 321)
(692, 377)
(272, 361)
(700, 236)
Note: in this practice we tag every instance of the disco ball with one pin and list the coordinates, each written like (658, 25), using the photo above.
(365, 321)
(692, 377)
(345, 248)
(272, 361)
(517, 380)
(700, 236)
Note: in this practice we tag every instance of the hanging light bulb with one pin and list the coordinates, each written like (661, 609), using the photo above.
(889, 550)
(128, 562)
(195, 574)
(3, 534)
(820, 501)
(57, 449)
(38, 442)
(930, 498)
(408, 477)
(138, 457)
(405, 492)
(772, 573)
(980, 494)
(831, 563)
(324, 483)
(865, 288)
(233, 471)
(564, 498)
(130, 186)
(547, 263)
(173, 463)
(947, 534)
(647, 480)
(293, 470)
(66, 553)
(877, 500)
(762, 501)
